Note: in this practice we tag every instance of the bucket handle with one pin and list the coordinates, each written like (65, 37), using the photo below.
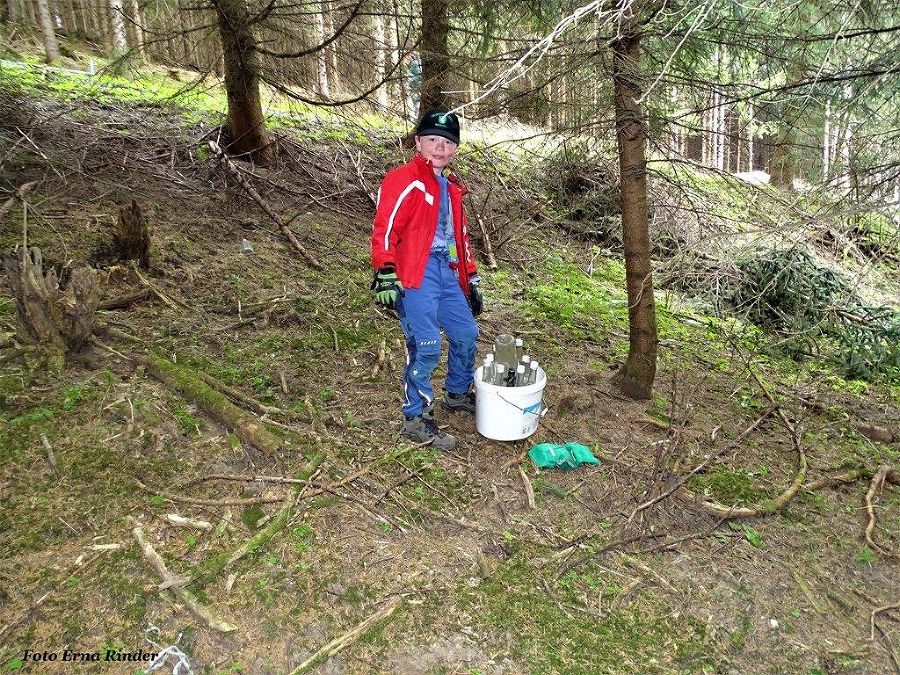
(543, 410)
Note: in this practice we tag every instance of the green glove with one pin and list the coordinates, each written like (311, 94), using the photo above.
(565, 457)
(387, 287)
(581, 453)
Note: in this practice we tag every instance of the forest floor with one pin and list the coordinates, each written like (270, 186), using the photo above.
(486, 565)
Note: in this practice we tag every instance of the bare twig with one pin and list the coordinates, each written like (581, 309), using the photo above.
(180, 521)
(171, 302)
(529, 490)
(488, 247)
(50, 456)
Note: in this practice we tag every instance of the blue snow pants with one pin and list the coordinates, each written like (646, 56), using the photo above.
(437, 304)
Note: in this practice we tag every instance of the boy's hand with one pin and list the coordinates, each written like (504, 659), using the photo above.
(476, 300)
(387, 287)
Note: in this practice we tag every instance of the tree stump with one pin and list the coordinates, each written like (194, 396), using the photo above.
(131, 239)
(57, 313)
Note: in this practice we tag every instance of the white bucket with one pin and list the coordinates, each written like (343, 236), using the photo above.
(508, 413)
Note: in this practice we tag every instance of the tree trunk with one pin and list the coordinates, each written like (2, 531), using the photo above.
(131, 238)
(334, 74)
(138, 28)
(69, 16)
(827, 145)
(30, 13)
(751, 133)
(321, 56)
(117, 23)
(105, 22)
(435, 57)
(245, 117)
(381, 70)
(51, 47)
(782, 161)
(397, 57)
(184, 37)
(635, 378)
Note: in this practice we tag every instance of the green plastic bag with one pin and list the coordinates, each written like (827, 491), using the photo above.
(565, 457)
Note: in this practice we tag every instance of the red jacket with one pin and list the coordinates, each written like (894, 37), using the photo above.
(406, 218)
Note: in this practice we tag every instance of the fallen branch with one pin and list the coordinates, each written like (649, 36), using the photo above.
(647, 571)
(769, 506)
(246, 399)
(381, 358)
(125, 300)
(678, 485)
(180, 521)
(207, 572)
(49, 448)
(883, 475)
(172, 583)
(255, 196)
(168, 300)
(348, 638)
(844, 478)
(19, 195)
(873, 627)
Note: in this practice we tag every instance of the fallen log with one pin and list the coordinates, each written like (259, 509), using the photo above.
(215, 404)
(125, 300)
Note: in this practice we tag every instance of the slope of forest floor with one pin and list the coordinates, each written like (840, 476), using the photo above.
(497, 567)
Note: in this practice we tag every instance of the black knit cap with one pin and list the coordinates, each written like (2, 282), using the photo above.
(439, 123)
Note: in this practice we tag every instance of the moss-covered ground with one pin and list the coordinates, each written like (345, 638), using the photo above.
(489, 584)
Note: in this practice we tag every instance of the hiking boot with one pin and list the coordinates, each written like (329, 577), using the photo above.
(423, 429)
(464, 402)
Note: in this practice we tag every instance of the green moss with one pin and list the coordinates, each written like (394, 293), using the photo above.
(728, 485)
(251, 515)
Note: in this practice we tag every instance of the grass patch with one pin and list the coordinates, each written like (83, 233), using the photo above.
(550, 639)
